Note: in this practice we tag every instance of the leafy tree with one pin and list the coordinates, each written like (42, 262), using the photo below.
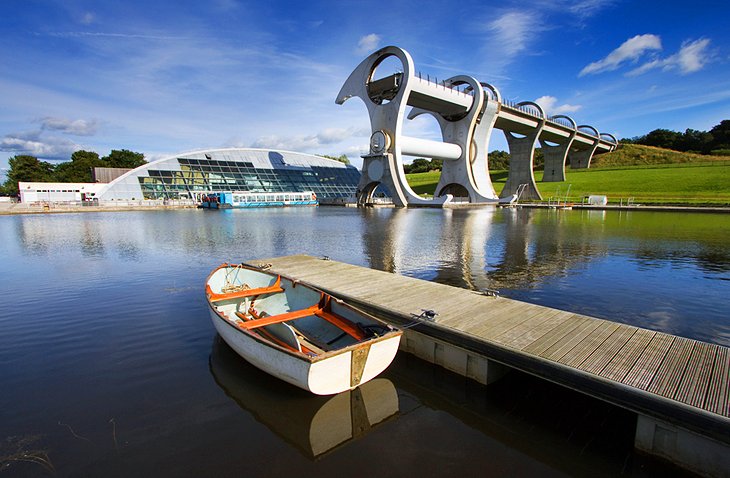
(419, 165)
(422, 165)
(78, 170)
(123, 158)
(691, 140)
(663, 138)
(694, 140)
(498, 160)
(720, 136)
(27, 169)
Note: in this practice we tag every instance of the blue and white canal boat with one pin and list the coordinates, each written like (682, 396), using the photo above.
(245, 199)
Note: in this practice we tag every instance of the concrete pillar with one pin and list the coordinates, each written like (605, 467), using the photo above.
(522, 153)
(555, 157)
(556, 154)
(453, 358)
(689, 450)
(378, 169)
(581, 159)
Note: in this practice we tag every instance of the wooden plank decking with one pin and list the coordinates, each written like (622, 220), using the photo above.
(679, 380)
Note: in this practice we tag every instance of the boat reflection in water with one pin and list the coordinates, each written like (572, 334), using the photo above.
(315, 425)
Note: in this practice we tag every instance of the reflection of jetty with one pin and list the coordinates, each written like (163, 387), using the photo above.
(315, 425)
(678, 387)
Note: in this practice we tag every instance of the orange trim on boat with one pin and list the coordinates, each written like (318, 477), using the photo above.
(272, 289)
(342, 324)
(275, 319)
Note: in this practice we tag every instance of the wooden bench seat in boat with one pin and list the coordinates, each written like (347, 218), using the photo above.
(278, 318)
(284, 335)
(315, 310)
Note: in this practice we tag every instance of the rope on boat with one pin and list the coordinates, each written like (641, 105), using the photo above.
(426, 315)
(231, 280)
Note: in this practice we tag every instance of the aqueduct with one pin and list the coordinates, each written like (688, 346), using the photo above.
(467, 112)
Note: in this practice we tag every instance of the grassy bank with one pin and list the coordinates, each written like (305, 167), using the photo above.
(638, 155)
(675, 184)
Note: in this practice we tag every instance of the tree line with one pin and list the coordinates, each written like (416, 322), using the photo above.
(715, 142)
(30, 169)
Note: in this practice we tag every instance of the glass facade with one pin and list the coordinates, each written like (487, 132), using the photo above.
(196, 176)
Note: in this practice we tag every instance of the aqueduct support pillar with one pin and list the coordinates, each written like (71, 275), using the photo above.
(522, 154)
(557, 154)
(581, 159)
(555, 157)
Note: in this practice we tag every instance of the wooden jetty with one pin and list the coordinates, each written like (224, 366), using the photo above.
(679, 388)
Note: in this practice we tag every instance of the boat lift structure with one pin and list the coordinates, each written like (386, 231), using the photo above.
(467, 112)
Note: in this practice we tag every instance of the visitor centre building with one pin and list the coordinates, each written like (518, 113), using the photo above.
(191, 175)
(188, 176)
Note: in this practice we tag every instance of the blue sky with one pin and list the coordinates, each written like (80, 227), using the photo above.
(162, 77)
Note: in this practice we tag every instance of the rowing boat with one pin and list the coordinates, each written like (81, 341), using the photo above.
(296, 332)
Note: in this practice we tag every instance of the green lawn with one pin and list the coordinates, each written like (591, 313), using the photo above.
(662, 184)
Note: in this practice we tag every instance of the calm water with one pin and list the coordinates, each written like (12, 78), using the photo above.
(110, 366)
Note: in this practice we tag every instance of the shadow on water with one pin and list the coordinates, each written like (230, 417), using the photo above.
(532, 423)
(315, 425)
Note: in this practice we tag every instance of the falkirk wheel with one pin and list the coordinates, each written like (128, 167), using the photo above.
(467, 112)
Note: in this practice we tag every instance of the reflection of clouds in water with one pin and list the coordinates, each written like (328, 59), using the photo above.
(661, 319)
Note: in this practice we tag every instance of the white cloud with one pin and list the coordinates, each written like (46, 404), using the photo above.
(587, 8)
(549, 104)
(513, 31)
(630, 50)
(45, 148)
(308, 142)
(691, 57)
(508, 36)
(77, 127)
(368, 44)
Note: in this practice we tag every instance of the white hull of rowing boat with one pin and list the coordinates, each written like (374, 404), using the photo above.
(326, 376)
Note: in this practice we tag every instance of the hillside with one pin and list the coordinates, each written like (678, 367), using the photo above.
(640, 155)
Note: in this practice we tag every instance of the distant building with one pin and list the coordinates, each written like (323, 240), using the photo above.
(107, 175)
(193, 174)
(190, 175)
(57, 192)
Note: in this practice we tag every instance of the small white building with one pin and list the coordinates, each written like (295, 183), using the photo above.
(57, 192)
